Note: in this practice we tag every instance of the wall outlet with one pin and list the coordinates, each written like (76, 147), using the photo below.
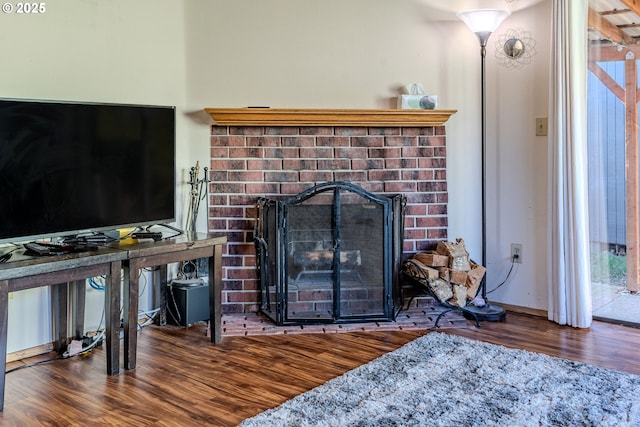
(516, 252)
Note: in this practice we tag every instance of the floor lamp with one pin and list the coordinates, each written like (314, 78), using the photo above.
(483, 22)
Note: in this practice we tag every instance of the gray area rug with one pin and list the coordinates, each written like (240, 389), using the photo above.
(445, 380)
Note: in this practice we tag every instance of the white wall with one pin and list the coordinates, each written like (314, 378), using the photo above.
(308, 54)
(87, 50)
(517, 168)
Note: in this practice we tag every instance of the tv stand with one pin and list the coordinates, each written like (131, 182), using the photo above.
(186, 247)
(66, 275)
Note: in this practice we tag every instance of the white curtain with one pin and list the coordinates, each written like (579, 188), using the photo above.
(569, 277)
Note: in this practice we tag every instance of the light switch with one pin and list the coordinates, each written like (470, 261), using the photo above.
(541, 126)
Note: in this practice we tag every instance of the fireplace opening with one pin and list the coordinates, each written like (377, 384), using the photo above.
(330, 254)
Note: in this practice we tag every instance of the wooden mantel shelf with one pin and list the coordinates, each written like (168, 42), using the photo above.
(328, 117)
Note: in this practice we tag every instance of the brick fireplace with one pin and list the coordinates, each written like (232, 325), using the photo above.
(276, 152)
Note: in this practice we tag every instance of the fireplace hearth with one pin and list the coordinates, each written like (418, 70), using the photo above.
(330, 254)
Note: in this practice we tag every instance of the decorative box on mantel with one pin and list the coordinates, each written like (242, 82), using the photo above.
(275, 152)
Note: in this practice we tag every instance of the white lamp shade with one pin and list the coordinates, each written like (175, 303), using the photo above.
(483, 20)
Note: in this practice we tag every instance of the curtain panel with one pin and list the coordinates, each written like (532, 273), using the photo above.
(569, 277)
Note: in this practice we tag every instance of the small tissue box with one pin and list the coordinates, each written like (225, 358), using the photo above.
(418, 102)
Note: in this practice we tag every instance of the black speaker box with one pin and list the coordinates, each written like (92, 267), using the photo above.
(187, 304)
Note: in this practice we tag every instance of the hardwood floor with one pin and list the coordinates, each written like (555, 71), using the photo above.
(181, 379)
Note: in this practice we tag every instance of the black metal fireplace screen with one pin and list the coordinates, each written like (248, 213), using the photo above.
(330, 254)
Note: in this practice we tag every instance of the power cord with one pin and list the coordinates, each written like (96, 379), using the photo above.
(7, 255)
(88, 343)
(171, 312)
(506, 279)
(177, 231)
(84, 346)
(150, 315)
(29, 365)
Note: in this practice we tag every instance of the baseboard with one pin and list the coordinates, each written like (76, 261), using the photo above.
(524, 310)
(29, 352)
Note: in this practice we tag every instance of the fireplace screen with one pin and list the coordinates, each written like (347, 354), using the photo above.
(330, 254)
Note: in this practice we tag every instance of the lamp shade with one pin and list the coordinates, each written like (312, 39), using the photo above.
(483, 20)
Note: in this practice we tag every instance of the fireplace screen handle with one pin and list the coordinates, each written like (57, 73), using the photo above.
(263, 244)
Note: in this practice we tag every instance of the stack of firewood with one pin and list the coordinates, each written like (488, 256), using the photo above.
(448, 272)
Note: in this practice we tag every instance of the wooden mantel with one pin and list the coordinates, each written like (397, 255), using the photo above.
(328, 117)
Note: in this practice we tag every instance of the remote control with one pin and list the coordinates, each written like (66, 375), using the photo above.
(38, 249)
(147, 235)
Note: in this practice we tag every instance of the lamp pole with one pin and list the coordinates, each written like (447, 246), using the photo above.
(483, 22)
(483, 37)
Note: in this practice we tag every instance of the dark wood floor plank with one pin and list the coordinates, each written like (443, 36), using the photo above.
(181, 379)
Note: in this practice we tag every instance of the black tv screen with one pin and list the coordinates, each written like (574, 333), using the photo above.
(67, 168)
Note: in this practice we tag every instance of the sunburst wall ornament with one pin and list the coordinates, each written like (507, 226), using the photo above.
(515, 48)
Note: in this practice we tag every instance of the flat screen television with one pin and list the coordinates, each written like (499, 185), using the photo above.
(68, 167)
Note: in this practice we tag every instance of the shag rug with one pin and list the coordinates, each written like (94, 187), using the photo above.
(445, 380)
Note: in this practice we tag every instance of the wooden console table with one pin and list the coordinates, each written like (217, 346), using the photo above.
(186, 247)
(62, 272)
(68, 272)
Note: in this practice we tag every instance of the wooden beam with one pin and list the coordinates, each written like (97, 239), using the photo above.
(631, 176)
(614, 12)
(607, 29)
(606, 79)
(633, 5)
(600, 53)
(624, 26)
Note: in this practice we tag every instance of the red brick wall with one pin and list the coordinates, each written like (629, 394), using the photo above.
(250, 162)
